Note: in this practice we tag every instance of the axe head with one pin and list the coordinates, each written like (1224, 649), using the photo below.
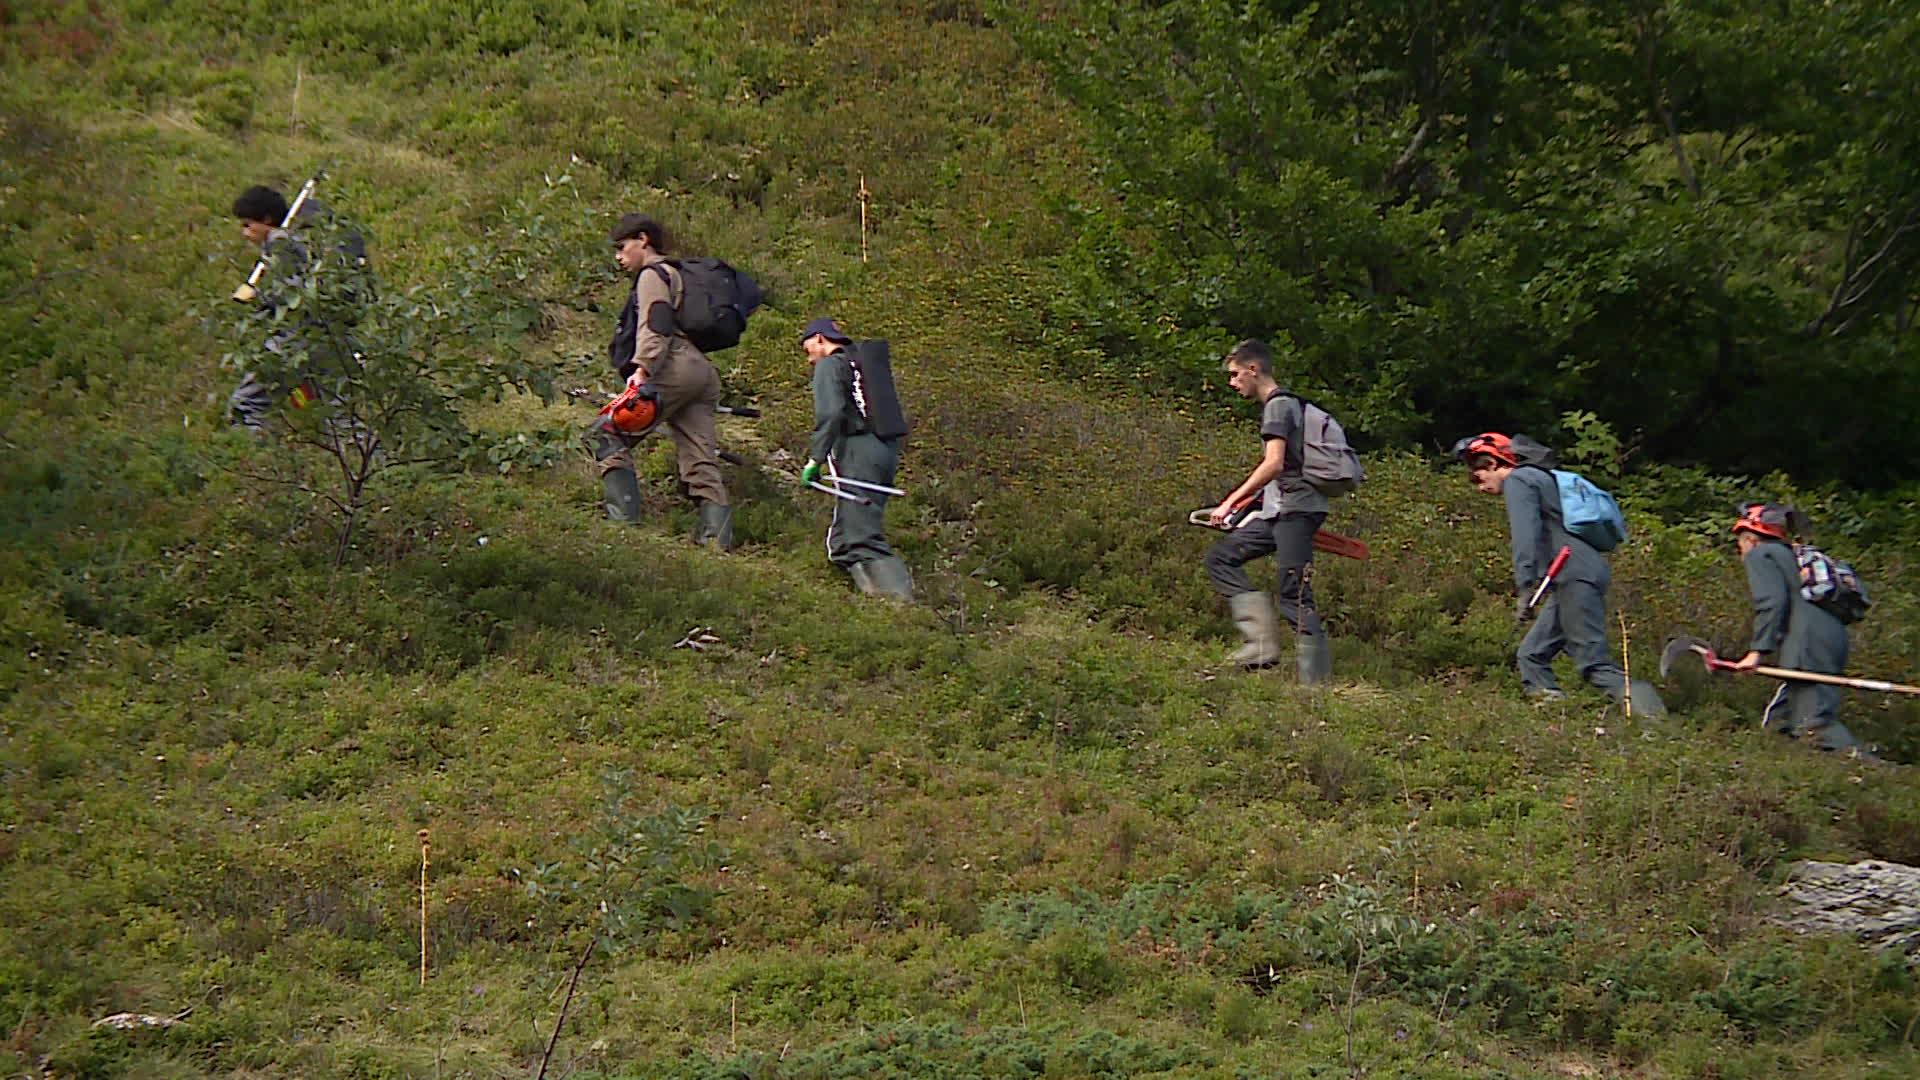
(1680, 647)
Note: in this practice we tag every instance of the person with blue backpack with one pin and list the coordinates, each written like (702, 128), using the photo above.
(1802, 633)
(1550, 511)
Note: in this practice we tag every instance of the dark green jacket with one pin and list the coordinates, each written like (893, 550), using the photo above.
(835, 417)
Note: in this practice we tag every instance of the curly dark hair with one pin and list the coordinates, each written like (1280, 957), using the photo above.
(633, 225)
(261, 203)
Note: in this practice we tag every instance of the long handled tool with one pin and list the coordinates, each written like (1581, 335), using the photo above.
(1330, 542)
(1521, 623)
(1681, 646)
(839, 494)
(249, 290)
(882, 488)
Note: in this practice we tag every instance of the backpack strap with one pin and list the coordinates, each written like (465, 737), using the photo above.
(676, 292)
(1296, 455)
(669, 274)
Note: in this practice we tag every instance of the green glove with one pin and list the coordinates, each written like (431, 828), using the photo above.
(811, 473)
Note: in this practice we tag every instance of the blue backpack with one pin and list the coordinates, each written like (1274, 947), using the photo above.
(1588, 512)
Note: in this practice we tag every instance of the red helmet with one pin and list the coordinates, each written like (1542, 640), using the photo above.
(634, 412)
(1762, 519)
(1492, 443)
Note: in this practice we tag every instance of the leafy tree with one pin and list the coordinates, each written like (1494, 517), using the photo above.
(1697, 222)
(372, 378)
(628, 880)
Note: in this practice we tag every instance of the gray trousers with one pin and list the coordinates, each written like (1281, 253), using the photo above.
(859, 533)
(1809, 711)
(1573, 621)
(1289, 539)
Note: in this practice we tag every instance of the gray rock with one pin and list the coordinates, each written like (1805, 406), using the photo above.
(1874, 902)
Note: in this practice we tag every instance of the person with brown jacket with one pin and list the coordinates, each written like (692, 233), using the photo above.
(648, 349)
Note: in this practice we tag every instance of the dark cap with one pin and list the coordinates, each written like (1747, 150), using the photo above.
(826, 328)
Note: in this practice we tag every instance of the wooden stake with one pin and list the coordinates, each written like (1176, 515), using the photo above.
(424, 846)
(1626, 663)
(865, 198)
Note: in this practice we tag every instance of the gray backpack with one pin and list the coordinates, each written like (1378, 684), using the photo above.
(1327, 460)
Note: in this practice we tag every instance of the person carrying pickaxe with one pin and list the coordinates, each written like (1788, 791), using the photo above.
(1809, 641)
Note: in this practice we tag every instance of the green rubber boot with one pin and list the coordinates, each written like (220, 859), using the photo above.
(1312, 652)
(1253, 614)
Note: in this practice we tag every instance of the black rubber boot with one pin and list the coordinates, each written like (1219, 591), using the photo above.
(621, 489)
(888, 577)
(716, 526)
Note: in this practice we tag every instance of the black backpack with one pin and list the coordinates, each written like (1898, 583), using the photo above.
(873, 393)
(715, 301)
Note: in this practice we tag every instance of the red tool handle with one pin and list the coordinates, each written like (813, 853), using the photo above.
(1553, 571)
(1559, 560)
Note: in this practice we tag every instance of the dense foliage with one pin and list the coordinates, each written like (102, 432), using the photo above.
(1701, 222)
(1031, 826)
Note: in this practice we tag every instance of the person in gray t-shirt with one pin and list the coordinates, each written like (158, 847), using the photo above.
(1291, 511)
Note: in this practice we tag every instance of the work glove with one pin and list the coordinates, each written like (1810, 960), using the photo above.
(811, 473)
(1522, 614)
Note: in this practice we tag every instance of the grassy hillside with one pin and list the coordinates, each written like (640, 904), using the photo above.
(1031, 826)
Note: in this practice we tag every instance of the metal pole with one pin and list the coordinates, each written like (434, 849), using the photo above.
(838, 494)
(867, 486)
(246, 293)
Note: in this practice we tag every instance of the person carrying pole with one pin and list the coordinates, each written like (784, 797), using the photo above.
(287, 264)
(858, 428)
(649, 349)
(1291, 511)
(1803, 635)
(1573, 618)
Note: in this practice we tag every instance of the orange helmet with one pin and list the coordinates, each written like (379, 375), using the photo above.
(1763, 519)
(1492, 443)
(634, 412)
